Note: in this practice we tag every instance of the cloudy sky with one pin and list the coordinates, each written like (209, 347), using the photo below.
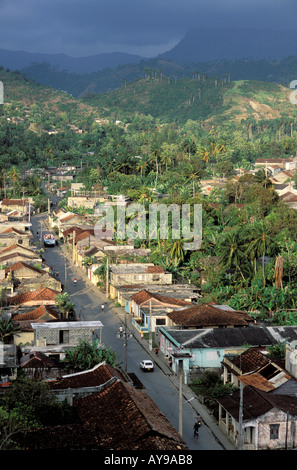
(144, 27)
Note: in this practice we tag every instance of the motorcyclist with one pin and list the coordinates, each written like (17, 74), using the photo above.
(196, 429)
(198, 420)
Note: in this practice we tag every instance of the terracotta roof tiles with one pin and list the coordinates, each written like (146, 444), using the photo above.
(144, 295)
(20, 265)
(207, 315)
(37, 313)
(38, 295)
(99, 375)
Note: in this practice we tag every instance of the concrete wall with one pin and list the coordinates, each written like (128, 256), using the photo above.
(72, 336)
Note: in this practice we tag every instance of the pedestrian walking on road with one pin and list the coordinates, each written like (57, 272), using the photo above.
(102, 308)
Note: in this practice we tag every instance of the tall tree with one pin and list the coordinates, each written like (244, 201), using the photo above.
(231, 252)
(259, 242)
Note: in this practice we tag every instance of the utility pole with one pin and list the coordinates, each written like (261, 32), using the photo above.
(126, 342)
(240, 432)
(123, 333)
(65, 272)
(73, 247)
(107, 276)
(150, 330)
(180, 407)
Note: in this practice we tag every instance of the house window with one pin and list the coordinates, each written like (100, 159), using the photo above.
(160, 321)
(20, 242)
(63, 336)
(274, 429)
(156, 277)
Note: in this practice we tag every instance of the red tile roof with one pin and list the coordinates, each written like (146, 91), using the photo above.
(84, 234)
(20, 265)
(207, 316)
(144, 295)
(36, 359)
(68, 217)
(15, 230)
(249, 360)
(71, 230)
(14, 202)
(119, 417)
(127, 419)
(155, 269)
(258, 403)
(16, 246)
(38, 295)
(38, 313)
(15, 255)
(99, 375)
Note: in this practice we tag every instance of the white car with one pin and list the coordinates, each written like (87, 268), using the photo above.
(147, 365)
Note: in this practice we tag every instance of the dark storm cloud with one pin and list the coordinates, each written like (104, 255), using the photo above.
(86, 27)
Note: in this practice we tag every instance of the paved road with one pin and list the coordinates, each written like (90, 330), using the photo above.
(157, 384)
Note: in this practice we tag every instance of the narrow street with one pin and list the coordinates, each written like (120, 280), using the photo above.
(88, 300)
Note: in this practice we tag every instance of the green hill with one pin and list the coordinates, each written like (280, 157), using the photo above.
(40, 107)
(199, 99)
(164, 98)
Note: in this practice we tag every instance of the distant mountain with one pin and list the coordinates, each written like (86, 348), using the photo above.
(17, 60)
(241, 54)
(209, 44)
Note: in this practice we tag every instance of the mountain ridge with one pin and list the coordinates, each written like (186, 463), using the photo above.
(18, 60)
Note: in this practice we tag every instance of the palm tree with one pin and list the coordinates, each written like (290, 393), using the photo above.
(192, 178)
(262, 178)
(89, 260)
(177, 252)
(3, 181)
(33, 187)
(259, 243)
(231, 253)
(14, 175)
(141, 167)
(65, 304)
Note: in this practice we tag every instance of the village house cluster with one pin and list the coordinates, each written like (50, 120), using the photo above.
(190, 335)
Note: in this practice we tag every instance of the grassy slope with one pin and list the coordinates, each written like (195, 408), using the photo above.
(256, 100)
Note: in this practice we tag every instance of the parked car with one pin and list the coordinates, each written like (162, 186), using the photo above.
(147, 365)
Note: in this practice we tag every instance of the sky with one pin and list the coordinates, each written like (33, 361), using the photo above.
(144, 27)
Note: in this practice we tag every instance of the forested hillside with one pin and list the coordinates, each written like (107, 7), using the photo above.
(197, 98)
(160, 118)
